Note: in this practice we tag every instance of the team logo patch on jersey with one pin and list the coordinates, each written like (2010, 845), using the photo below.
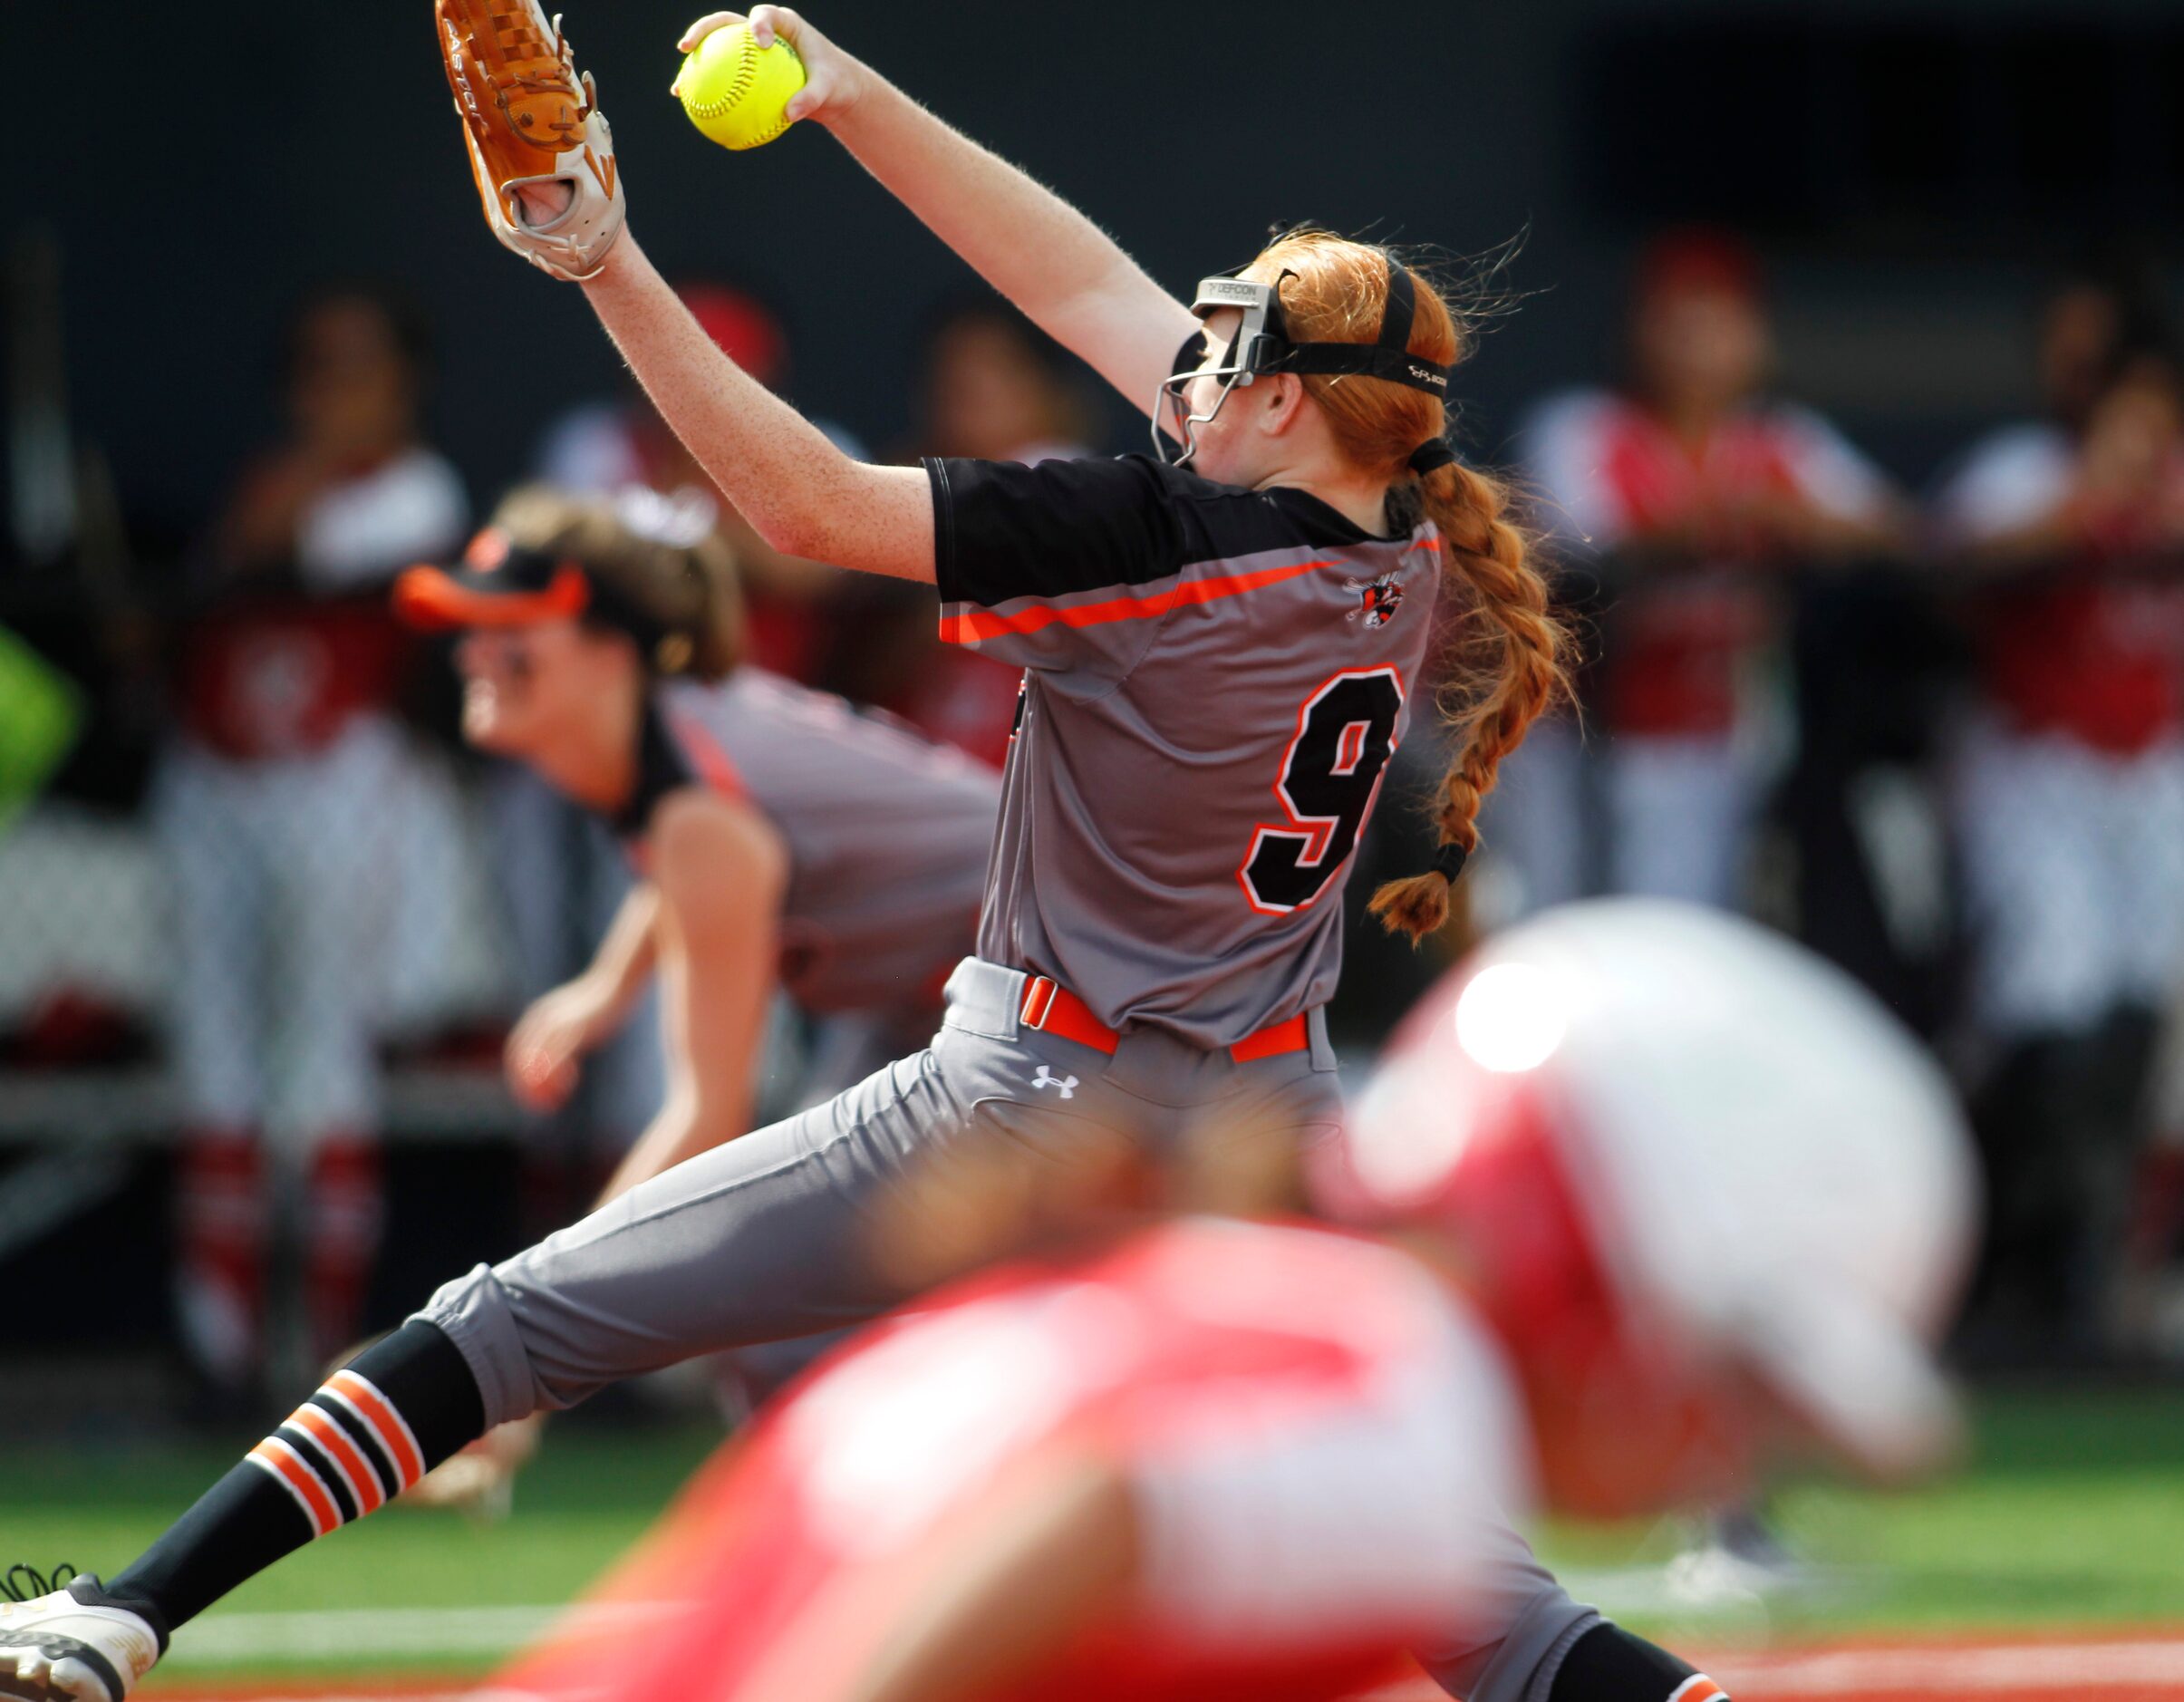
(1378, 599)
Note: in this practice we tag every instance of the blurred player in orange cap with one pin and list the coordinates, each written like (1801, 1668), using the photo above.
(780, 837)
(1665, 1194)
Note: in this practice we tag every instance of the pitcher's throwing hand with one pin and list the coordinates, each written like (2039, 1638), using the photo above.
(833, 80)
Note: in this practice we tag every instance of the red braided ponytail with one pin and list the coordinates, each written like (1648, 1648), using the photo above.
(1509, 658)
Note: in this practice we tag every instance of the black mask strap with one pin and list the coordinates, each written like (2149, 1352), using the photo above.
(1402, 307)
(1388, 355)
(1332, 359)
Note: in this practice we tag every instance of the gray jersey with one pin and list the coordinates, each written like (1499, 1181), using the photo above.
(888, 832)
(1215, 681)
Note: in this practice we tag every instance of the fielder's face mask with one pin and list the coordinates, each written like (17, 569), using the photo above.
(1262, 346)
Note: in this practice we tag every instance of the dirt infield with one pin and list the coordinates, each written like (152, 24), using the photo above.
(2121, 1667)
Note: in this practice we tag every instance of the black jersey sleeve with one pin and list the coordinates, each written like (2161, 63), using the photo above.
(1061, 566)
(1006, 531)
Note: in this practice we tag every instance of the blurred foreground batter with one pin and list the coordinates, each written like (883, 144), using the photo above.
(1663, 1195)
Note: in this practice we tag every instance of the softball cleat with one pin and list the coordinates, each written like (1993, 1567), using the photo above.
(70, 1642)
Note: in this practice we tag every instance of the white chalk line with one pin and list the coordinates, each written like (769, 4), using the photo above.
(1967, 1669)
(229, 1639)
(210, 1691)
(1979, 1669)
(343, 1634)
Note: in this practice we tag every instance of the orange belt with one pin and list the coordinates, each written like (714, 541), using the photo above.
(1050, 1007)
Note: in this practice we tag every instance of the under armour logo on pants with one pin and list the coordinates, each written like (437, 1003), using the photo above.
(1048, 1079)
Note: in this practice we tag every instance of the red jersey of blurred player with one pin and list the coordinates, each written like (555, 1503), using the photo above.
(1695, 464)
(1228, 1459)
(602, 448)
(1701, 493)
(815, 1546)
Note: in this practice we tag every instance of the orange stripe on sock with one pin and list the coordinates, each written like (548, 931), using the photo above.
(1698, 1687)
(968, 629)
(355, 1470)
(299, 1480)
(387, 1424)
(365, 1419)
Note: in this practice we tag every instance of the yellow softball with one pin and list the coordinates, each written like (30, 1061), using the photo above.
(736, 93)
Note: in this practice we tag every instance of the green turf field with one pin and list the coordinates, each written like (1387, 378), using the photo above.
(2072, 1513)
(2069, 1513)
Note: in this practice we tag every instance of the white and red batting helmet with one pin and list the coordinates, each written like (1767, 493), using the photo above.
(1702, 1132)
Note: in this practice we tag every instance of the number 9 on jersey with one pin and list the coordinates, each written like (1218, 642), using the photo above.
(1331, 775)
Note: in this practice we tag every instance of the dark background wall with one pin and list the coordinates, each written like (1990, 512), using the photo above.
(1910, 169)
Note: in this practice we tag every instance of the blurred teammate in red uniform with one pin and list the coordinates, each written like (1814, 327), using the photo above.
(993, 386)
(287, 806)
(1698, 492)
(1640, 1242)
(2069, 802)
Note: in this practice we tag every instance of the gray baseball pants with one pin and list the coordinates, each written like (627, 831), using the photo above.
(1537, 1624)
(767, 1237)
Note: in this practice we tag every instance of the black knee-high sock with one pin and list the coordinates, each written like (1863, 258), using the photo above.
(397, 1410)
(1608, 1664)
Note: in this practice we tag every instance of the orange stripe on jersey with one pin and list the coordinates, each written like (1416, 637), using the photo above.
(364, 1481)
(387, 1424)
(299, 1480)
(1698, 1687)
(713, 764)
(968, 629)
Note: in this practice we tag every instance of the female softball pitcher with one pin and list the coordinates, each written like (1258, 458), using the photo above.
(1219, 653)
